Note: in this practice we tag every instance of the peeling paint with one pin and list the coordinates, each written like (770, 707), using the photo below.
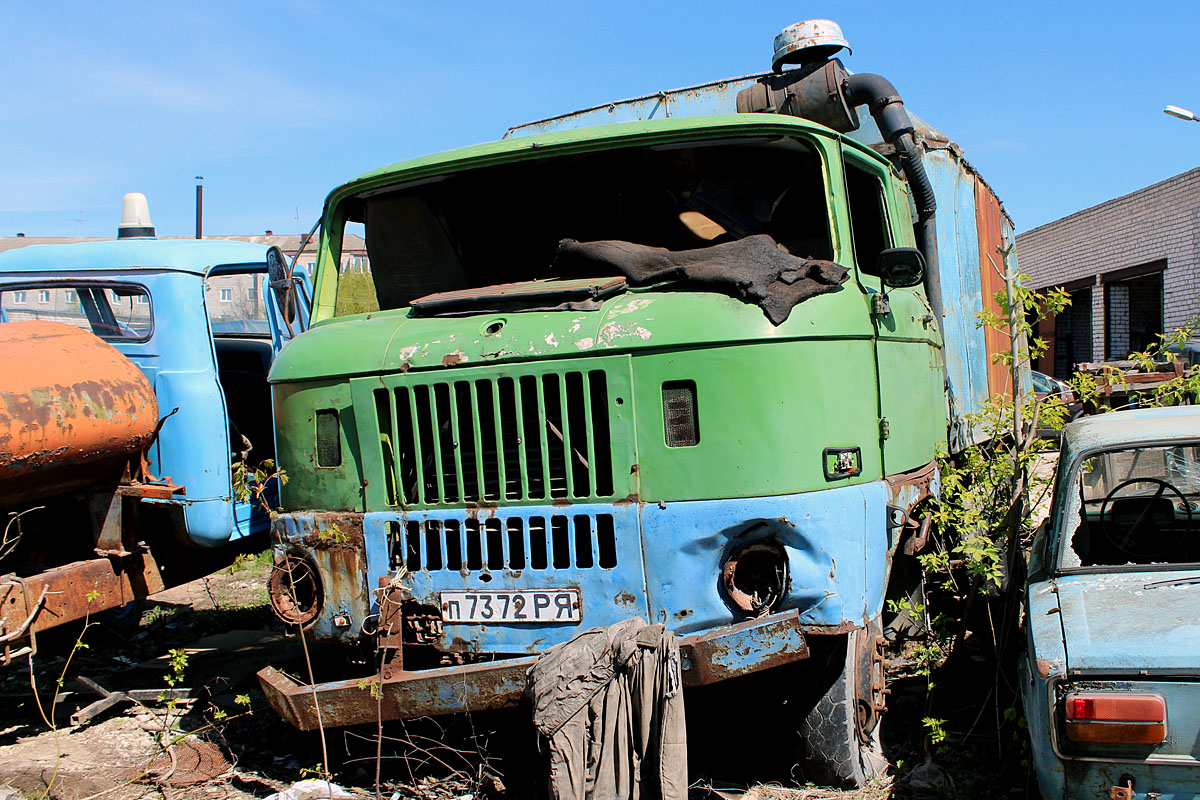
(635, 304)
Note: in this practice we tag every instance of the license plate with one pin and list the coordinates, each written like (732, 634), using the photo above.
(544, 605)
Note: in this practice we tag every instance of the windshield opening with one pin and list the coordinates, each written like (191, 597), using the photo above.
(1137, 506)
(112, 311)
(502, 224)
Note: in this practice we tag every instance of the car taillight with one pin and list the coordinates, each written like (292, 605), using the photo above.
(1113, 717)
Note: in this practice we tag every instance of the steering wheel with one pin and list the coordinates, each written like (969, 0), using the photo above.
(1124, 541)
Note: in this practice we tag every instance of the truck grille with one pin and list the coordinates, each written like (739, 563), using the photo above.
(493, 439)
(562, 541)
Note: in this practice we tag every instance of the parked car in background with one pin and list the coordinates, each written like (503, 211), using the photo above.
(1045, 386)
(1111, 677)
(133, 382)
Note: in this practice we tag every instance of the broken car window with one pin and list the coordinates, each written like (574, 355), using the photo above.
(503, 224)
(1137, 506)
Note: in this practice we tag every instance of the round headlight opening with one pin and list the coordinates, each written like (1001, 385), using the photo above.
(755, 577)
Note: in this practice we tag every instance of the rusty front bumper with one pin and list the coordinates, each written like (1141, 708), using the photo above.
(706, 658)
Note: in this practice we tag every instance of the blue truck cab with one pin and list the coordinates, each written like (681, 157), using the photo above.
(203, 320)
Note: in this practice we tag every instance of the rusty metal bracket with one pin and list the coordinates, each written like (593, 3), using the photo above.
(475, 687)
(32, 615)
(742, 648)
(916, 542)
(109, 700)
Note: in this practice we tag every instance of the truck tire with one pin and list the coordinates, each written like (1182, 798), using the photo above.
(837, 748)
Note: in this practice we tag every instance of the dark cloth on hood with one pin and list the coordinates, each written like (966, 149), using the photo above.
(753, 269)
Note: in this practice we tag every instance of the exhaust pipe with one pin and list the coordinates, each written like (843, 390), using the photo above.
(821, 90)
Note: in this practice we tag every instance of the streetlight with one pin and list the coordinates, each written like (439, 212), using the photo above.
(1182, 113)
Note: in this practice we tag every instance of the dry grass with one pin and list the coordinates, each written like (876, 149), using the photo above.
(881, 790)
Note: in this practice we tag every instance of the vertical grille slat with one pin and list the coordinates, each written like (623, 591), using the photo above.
(589, 424)
(452, 442)
(496, 439)
(501, 486)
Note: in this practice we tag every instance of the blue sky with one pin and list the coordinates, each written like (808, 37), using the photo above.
(1058, 104)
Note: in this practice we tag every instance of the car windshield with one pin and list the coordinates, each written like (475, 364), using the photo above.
(503, 224)
(112, 311)
(1138, 506)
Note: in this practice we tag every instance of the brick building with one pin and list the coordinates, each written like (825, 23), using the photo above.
(1131, 266)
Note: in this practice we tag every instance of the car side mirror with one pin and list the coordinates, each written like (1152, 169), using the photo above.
(901, 267)
(280, 278)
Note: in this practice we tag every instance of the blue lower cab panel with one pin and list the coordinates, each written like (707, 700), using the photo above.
(594, 550)
(835, 541)
(660, 562)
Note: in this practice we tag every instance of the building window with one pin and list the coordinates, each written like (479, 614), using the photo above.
(226, 295)
(250, 293)
(18, 298)
(44, 296)
(143, 300)
(69, 295)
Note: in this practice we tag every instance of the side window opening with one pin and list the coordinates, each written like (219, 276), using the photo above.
(868, 218)
(356, 284)
(114, 312)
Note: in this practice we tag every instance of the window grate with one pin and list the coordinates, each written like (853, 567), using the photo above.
(488, 440)
(561, 541)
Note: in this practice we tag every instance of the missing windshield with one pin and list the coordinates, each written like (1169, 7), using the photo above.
(1139, 506)
(503, 224)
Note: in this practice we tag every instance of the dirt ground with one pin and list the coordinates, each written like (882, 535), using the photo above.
(224, 742)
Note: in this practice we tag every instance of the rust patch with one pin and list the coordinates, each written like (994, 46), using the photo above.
(631, 499)
(336, 531)
(450, 359)
(625, 598)
(1046, 668)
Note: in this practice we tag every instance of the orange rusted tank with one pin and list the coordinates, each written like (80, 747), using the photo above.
(73, 411)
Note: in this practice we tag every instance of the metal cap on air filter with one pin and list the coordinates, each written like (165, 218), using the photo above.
(808, 41)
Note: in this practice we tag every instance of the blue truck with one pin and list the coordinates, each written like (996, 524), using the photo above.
(114, 488)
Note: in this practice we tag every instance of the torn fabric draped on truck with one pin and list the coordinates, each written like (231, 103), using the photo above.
(753, 269)
(610, 704)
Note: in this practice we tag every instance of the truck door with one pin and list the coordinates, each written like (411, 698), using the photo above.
(908, 363)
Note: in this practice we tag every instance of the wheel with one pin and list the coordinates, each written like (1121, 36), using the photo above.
(840, 742)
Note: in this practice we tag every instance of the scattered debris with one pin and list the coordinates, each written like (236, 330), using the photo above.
(314, 790)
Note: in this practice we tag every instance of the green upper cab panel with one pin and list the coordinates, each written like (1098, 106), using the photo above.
(636, 320)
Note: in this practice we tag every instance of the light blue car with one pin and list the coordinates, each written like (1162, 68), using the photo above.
(1111, 676)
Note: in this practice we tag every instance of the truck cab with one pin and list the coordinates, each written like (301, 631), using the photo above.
(683, 357)
(203, 321)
